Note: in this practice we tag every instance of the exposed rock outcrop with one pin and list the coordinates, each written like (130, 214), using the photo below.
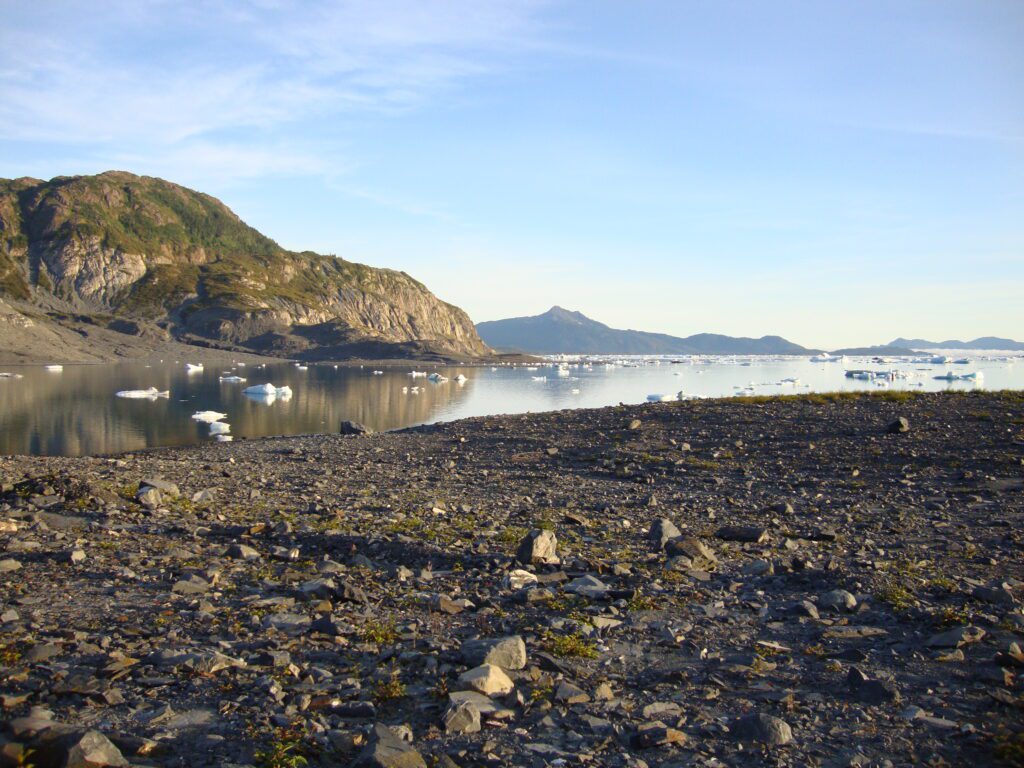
(144, 252)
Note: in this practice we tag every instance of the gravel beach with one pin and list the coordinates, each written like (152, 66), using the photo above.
(826, 580)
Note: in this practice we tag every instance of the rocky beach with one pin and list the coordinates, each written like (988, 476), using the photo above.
(824, 580)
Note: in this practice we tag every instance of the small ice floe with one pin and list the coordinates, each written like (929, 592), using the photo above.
(791, 380)
(973, 376)
(563, 372)
(538, 378)
(939, 360)
(208, 417)
(531, 367)
(574, 391)
(335, 367)
(659, 398)
(377, 373)
(232, 379)
(193, 367)
(55, 368)
(461, 379)
(437, 378)
(219, 427)
(5, 375)
(268, 389)
(417, 374)
(223, 438)
(494, 367)
(143, 394)
(947, 376)
(301, 367)
(825, 357)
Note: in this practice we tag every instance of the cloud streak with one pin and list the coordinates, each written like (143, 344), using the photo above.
(149, 78)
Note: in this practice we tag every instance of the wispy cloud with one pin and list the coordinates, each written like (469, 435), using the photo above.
(216, 83)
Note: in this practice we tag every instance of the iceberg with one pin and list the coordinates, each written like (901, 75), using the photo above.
(219, 427)
(232, 379)
(143, 394)
(208, 417)
(223, 438)
(437, 378)
(193, 367)
(55, 368)
(6, 375)
(658, 398)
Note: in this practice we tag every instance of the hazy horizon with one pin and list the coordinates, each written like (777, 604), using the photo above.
(837, 174)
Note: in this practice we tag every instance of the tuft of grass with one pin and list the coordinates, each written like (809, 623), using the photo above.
(569, 646)
(283, 751)
(391, 689)
(379, 632)
(896, 595)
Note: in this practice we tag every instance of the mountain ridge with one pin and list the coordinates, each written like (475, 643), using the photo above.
(150, 256)
(563, 331)
(982, 342)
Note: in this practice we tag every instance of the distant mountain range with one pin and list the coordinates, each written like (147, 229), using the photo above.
(561, 331)
(984, 342)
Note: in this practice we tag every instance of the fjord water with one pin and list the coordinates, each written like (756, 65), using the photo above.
(76, 412)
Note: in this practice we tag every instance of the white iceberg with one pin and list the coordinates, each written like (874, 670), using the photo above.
(193, 367)
(232, 379)
(208, 417)
(437, 378)
(143, 394)
(223, 438)
(6, 375)
(219, 427)
(55, 368)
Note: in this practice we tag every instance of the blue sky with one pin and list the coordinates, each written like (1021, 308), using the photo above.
(837, 173)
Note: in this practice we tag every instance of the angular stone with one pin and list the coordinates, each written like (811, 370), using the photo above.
(505, 652)
(700, 554)
(656, 734)
(242, 552)
(386, 749)
(663, 531)
(762, 729)
(956, 637)
(568, 693)
(588, 586)
(487, 679)
(540, 547)
(462, 718)
(899, 426)
(838, 599)
(747, 533)
(354, 428)
(93, 750)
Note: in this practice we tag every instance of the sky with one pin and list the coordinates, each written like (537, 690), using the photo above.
(838, 173)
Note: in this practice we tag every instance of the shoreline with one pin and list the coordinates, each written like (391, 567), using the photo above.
(819, 572)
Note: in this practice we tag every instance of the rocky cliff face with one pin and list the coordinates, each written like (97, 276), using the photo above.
(143, 252)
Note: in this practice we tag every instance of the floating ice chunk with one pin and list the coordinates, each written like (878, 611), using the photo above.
(219, 427)
(6, 375)
(437, 378)
(143, 394)
(974, 376)
(417, 374)
(461, 379)
(55, 368)
(538, 378)
(223, 438)
(302, 367)
(193, 367)
(563, 371)
(267, 393)
(574, 391)
(657, 398)
(378, 373)
(232, 379)
(208, 416)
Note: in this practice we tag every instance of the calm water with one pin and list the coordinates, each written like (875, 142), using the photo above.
(76, 412)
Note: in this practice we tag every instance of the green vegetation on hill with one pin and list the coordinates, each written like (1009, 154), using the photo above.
(149, 249)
